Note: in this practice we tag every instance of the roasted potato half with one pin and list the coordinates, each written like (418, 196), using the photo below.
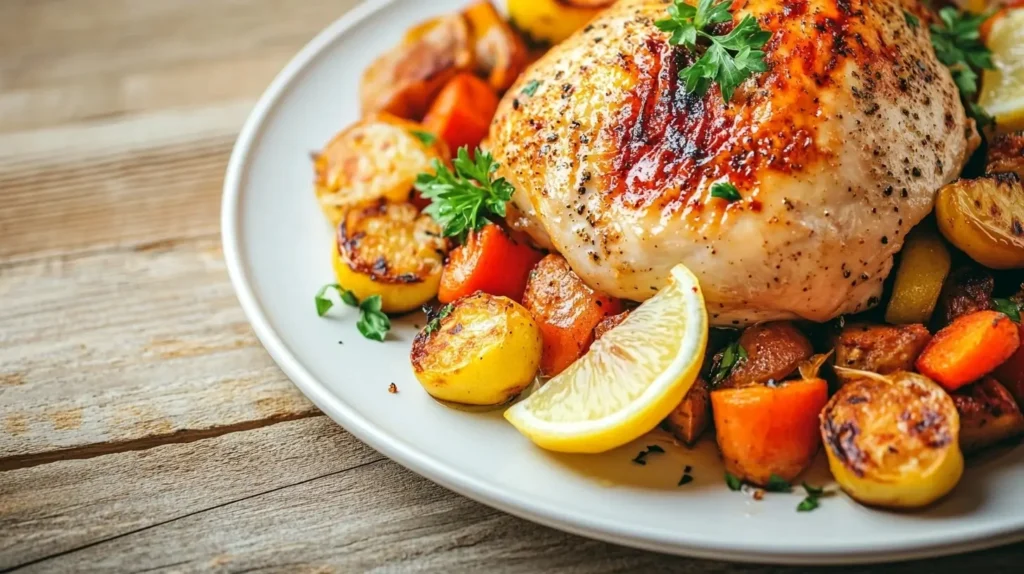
(391, 250)
(892, 440)
(984, 217)
(481, 350)
(405, 80)
(553, 21)
(691, 418)
(988, 415)
(377, 158)
(501, 55)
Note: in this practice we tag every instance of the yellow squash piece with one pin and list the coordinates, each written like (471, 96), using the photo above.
(483, 350)
(391, 250)
(629, 380)
(984, 217)
(924, 265)
(553, 21)
(892, 440)
(1002, 89)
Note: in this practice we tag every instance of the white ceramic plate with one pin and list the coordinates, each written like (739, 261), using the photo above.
(277, 248)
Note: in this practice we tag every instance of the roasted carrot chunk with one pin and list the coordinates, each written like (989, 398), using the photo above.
(764, 431)
(567, 311)
(462, 112)
(492, 261)
(969, 348)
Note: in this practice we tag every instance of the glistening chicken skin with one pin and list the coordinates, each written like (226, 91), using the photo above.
(837, 152)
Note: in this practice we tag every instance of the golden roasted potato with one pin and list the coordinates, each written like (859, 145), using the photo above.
(988, 415)
(881, 348)
(1006, 154)
(924, 265)
(892, 440)
(391, 250)
(984, 217)
(405, 80)
(481, 350)
(553, 21)
(501, 54)
(377, 158)
(691, 418)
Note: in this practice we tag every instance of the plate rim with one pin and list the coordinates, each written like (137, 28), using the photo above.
(452, 478)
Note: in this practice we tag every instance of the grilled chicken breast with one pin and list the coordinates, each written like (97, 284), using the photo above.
(836, 151)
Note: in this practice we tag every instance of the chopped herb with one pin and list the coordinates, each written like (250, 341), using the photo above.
(373, 323)
(808, 504)
(726, 60)
(641, 458)
(426, 137)
(958, 45)
(435, 318)
(1008, 308)
(813, 490)
(733, 355)
(530, 88)
(980, 115)
(726, 191)
(686, 479)
(912, 20)
(777, 484)
(324, 304)
(733, 481)
(466, 199)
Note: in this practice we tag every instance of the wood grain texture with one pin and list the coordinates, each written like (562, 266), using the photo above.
(301, 496)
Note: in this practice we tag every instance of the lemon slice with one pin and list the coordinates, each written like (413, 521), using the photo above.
(630, 379)
(1002, 89)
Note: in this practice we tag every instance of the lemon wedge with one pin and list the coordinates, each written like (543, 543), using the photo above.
(1002, 89)
(628, 381)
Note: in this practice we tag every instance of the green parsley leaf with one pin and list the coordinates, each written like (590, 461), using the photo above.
(813, 490)
(324, 304)
(373, 323)
(733, 481)
(641, 458)
(1007, 307)
(958, 45)
(777, 484)
(808, 504)
(912, 20)
(530, 88)
(687, 478)
(726, 60)
(426, 137)
(435, 318)
(726, 191)
(466, 199)
(733, 355)
(980, 115)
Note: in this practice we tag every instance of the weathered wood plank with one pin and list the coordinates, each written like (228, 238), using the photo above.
(124, 349)
(55, 508)
(281, 500)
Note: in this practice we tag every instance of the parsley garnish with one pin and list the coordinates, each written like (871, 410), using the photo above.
(777, 484)
(436, 317)
(465, 200)
(733, 355)
(733, 481)
(958, 45)
(530, 88)
(726, 191)
(814, 493)
(912, 20)
(1007, 307)
(641, 458)
(323, 304)
(373, 323)
(725, 60)
(426, 137)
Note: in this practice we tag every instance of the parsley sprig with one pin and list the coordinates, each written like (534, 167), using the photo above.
(467, 198)
(733, 355)
(726, 60)
(957, 43)
(373, 323)
(1008, 307)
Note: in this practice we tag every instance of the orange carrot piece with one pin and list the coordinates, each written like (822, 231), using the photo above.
(969, 348)
(492, 261)
(764, 431)
(461, 115)
(567, 311)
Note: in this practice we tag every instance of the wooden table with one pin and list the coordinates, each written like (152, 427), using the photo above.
(142, 426)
